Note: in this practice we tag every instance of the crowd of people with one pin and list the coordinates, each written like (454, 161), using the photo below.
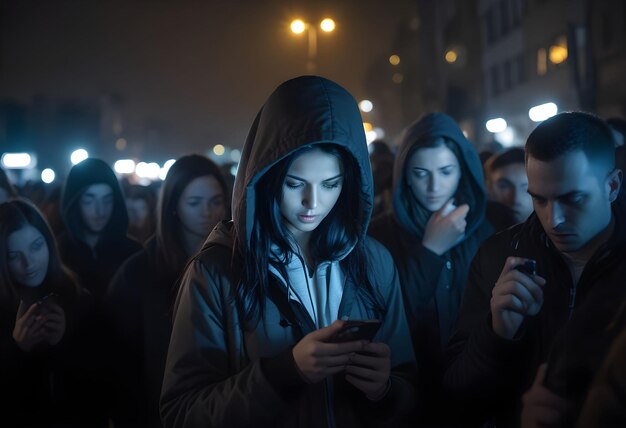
(330, 286)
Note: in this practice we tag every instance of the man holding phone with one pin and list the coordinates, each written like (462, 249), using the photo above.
(510, 318)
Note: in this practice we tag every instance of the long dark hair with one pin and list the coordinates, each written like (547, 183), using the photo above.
(15, 215)
(170, 250)
(336, 234)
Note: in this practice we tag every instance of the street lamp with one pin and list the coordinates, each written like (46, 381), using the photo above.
(298, 26)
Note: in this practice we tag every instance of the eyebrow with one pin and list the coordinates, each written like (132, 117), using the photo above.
(91, 195)
(564, 195)
(302, 179)
(441, 167)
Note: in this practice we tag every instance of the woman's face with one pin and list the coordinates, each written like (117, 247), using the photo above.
(433, 174)
(27, 256)
(311, 188)
(201, 206)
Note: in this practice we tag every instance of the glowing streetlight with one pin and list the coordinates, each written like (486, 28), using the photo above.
(367, 126)
(219, 149)
(297, 26)
(78, 156)
(327, 25)
(48, 175)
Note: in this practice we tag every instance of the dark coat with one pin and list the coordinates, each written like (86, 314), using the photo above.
(490, 373)
(138, 307)
(96, 267)
(48, 385)
(219, 373)
(432, 284)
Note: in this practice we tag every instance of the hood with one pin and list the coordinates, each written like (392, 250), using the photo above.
(301, 112)
(81, 176)
(471, 187)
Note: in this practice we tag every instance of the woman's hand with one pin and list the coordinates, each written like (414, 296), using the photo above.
(317, 359)
(445, 231)
(28, 331)
(54, 325)
(369, 370)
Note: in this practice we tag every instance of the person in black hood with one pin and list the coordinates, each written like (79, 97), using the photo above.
(258, 310)
(139, 300)
(94, 244)
(435, 228)
(545, 290)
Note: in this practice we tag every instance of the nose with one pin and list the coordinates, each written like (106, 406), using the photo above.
(98, 208)
(26, 261)
(309, 199)
(206, 209)
(433, 183)
(556, 215)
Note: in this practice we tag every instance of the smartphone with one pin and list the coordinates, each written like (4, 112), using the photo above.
(50, 298)
(357, 330)
(529, 267)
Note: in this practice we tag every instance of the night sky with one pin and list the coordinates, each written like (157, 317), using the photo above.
(198, 69)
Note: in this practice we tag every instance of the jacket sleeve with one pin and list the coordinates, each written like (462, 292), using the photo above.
(204, 384)
(400, 403)
(482, 367)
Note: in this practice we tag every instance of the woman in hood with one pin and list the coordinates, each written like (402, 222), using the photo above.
(433, 231)
(255, 335)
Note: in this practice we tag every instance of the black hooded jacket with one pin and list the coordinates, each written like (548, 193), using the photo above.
(219, 373)
(432, 285)
(96, 267)
(490, 373)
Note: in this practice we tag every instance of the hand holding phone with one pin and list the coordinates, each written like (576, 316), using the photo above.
(354, 330)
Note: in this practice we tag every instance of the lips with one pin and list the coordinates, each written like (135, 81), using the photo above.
(306, 218)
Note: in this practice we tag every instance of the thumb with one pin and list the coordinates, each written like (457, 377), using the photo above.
(541, 375)
(21, 309)
(445, 208)
(327, 332)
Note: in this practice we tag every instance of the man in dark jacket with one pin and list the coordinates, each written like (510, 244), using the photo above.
(509, 319)
(95, 242)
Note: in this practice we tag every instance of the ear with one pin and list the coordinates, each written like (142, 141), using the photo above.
(614, 184)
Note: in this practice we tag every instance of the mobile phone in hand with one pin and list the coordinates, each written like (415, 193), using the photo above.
(354, 330)
(529, 267)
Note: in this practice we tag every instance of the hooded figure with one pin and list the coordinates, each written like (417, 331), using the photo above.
(255, 300)
(94, 262)
(449, 206)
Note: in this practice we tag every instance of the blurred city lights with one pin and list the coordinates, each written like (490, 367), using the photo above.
(496, 125)
(366, 106)
(542, 112)
(235, 155)
(394, 60)
(327, 25)
(78, 156)
(451, 56)
(166, 167)
(47, 175)
(505, 137)
(558, 52)
(380, 133)
(371, 136)
(367, 126)
(16, 160)
(297, 26)
(124, 166)
(219, 149)
(120, 144)
(150, 170)
(397, 78)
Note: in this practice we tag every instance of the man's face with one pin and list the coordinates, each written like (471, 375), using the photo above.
(96, 207)
(572, 199)
(509, 186)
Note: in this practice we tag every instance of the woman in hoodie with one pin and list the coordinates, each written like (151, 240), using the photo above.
(140, 298)
(260, 306)
(433, 231)
(42, 309)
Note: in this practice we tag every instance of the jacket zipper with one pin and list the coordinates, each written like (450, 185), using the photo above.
(572, 300)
